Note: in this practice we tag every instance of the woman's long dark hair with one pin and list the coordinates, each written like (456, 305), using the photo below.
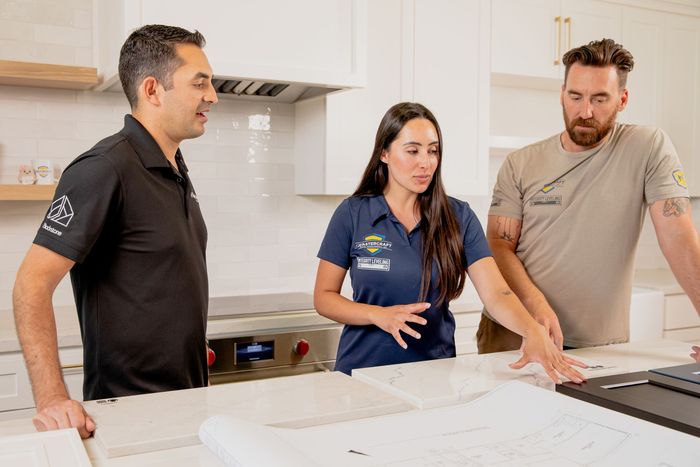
(442, 244)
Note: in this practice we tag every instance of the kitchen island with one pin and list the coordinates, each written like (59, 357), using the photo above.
(160, 429)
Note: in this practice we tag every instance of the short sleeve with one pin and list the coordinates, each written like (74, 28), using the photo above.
(664, 177)
(87, 195)
(507, 198)
(337, 241)
(475, 245)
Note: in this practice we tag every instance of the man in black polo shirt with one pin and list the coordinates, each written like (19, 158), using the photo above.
(126, 223)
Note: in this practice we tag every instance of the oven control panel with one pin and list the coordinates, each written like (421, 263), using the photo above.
(283, 351)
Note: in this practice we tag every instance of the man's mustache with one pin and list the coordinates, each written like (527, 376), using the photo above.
(588, 122)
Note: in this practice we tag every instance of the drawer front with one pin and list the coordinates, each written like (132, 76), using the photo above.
(15, 390)
(680, 313)
(465, 340)
(469, 319)
(690, 335)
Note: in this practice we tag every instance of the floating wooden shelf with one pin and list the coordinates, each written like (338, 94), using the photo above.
(47, 76)
(17, 192)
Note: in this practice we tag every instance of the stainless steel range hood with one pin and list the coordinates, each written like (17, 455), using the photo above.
(254, 90)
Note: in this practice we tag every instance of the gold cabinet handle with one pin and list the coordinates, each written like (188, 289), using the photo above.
(569, 23)
(557, 22)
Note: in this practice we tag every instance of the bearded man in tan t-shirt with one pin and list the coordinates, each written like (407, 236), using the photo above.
(567, 212)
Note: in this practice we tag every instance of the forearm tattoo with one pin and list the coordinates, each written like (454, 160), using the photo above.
(675, 206)
(506, 292)
(506, 229)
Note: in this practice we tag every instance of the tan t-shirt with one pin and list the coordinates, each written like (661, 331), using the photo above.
(579, 235)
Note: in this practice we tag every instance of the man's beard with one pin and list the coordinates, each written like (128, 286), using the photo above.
(591, 137)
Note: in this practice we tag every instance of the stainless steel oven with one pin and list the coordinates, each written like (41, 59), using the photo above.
(269, 355)
(280, 351)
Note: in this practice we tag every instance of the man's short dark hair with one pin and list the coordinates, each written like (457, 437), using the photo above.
(150, 51)
(601, 53)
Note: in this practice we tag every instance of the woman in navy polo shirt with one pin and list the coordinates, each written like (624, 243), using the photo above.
(408, 247)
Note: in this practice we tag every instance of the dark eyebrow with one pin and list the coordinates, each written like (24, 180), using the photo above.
(419, 144)
(601, 94)
(201, 74)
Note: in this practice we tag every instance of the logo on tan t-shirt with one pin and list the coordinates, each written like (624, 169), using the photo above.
(679, 177)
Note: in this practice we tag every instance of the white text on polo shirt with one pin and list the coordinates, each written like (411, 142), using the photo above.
(374, 264)
(51, 229)
(379, 245)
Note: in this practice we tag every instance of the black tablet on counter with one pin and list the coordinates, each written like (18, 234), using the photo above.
(665, 396)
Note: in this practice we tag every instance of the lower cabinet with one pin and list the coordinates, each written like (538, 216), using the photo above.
(16, 399)
(465, 333)
(681, 321)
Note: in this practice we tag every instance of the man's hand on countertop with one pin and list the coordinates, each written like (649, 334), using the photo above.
(63, 413)
(696, 353)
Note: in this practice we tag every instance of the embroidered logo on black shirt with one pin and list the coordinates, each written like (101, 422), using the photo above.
(61, 211)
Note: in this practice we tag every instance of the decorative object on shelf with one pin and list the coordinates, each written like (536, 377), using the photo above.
(26, 175)
(43, 168)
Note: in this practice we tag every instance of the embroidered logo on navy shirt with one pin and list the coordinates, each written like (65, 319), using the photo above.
(61, 211)
(374, 264)
(374, 243)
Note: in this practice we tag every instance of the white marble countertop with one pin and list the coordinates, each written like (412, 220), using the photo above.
(168, 421)
(140, 430)
(464, 378)
(660, 279)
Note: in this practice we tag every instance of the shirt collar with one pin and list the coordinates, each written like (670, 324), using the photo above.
(145, 146)
(378, 209)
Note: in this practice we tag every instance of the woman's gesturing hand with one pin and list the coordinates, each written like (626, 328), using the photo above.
(538, 347)
(395, 319)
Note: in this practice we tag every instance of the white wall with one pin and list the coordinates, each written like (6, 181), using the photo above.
(263, 238)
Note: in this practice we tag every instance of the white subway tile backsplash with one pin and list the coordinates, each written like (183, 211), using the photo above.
(16, 31)
(82, 19)
(62, 35)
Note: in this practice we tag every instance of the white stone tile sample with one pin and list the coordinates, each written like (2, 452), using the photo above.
(137, 424)
(60, 448)
(448, 381)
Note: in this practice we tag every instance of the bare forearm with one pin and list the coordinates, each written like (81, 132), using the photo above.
(679, 243)
(505, 307)
(517, 277)
(334, 306)
(36, 329)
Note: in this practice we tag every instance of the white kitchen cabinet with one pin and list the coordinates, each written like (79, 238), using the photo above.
(466, 325)
(642, 35)
(15, 388)
(679, 96)
(435, 53)
(334, 136)
(529, 37)
(665, 83)
(319, 42)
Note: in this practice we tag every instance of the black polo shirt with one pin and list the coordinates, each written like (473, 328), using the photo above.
(133, 226)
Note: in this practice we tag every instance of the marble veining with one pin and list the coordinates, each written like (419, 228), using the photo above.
(449, 381)
(151, 422)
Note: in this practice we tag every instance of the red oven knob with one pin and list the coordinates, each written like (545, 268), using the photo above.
(211, 356)
(302, 347)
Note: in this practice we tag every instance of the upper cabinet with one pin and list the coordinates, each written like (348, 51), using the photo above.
(432, 52)
(321, 43)
(529, 37)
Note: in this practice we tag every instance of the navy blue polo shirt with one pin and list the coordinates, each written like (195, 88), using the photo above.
(385, 270)
(133, 226)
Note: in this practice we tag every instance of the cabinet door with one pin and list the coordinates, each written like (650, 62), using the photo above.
(354, 115)
(524, 37)
(589, 20)
(680, 92)
(314, 41)
(15, 389)
(451, 77)
(642, 35)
